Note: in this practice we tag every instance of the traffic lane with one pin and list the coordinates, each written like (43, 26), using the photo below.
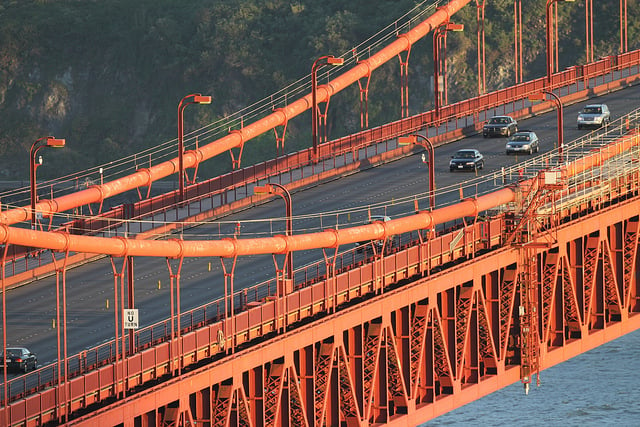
(545, 126)
(90, 286)
(198, 291)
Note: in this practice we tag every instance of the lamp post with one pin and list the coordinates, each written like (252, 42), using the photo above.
(549, 37)
(286, 196)
(426, 143)
(439, 32)
(195, 98)
(47, 141)
(517, 36)
(318, 63)
(541, 97)
(482, 80)
(623, 26)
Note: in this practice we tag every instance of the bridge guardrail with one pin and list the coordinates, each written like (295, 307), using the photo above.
(256, 312)
(231, 189)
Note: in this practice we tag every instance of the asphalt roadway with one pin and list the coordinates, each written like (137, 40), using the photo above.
(31, 309)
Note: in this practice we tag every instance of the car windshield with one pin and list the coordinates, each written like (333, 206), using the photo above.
(499, 121)
(520, 138)
(14, 352)
(465, 154)
(592, 110)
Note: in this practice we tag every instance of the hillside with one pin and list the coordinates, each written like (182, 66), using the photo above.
(108, 75)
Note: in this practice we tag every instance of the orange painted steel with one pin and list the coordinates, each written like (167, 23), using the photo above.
(62, 241)
(144, 177)
(351, 144)
(463, 320)
(173, 248)
(398, 357)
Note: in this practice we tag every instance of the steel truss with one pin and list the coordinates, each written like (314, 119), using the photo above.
(407, 355)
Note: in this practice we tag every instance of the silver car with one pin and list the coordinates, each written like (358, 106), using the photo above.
(594, 115)
(523, 141)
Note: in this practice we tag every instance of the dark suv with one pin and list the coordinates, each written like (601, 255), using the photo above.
(500, 126)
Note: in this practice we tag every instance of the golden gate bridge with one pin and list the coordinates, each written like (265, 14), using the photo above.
(531, 274)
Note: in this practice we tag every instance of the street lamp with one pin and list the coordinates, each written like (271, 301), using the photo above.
(439, 32)
(196, 98)
(47, 141)
(623, 26)
(549, 37)
(286, 196)
(426, 143)
(517, 36)
(318, 63)
(541, 97)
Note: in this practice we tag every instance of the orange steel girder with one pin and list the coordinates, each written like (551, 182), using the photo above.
(239, 137)
(463, 322)
(404, 80)
(570, 308)
(62, 241)
(508, 290)
(630, 254)
(178, 414)
(364, 98)
(280, 138)
(419, 350)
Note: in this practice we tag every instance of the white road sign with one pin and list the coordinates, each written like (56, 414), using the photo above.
(130, 317)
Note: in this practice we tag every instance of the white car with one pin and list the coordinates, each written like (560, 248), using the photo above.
(594, 115)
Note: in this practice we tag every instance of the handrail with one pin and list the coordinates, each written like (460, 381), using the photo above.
(96, 194)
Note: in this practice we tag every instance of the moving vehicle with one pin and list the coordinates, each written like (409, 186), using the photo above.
(19, 359)
(594, 115)
(523, 141)
(500, 126)
(467, 158)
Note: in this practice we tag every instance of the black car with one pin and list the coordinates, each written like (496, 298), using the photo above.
(467, 158)
(500, 126)
(19, 359)
(523, 141)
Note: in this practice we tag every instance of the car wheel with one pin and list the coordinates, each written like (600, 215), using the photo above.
(537, 148)
(530, 151)
(26, 367)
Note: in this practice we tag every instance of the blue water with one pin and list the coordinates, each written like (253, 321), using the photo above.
(597, 388)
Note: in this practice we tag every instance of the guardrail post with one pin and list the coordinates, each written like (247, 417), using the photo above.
(229, 318)
(175, 317)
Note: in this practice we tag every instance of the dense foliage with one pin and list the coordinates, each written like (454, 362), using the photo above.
(107, 75)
